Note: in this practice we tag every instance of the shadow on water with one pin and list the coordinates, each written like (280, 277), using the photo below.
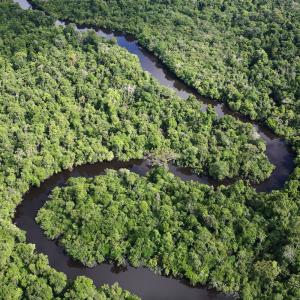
(141, 281)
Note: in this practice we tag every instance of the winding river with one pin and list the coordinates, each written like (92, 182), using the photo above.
(140, 281)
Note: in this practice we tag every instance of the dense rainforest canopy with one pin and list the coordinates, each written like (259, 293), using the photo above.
(243, 52)
(216, 237)
(69, 98)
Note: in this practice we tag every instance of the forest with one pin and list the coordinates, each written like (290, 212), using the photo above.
(216, 237)
(70, 98)
(245, 53)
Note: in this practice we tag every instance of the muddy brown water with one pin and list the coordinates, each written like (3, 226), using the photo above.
(140, 281)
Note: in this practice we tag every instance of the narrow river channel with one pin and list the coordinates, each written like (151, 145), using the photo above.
(140, 281)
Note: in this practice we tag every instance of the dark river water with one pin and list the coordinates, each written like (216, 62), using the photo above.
(140, 281)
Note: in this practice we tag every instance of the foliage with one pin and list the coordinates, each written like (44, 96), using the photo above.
(83, 289)
(23, 273)
(184, 229)
(68, 99)
(245, 53)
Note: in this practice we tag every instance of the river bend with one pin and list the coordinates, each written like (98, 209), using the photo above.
(140, 281)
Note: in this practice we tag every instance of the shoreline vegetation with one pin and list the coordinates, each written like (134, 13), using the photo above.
(213, 237)
(245, 54)
(69, 99)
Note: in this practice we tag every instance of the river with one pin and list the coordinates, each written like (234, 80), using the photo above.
(140, 281)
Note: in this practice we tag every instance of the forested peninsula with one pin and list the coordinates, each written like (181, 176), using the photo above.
(184, 229)
(71, 98)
